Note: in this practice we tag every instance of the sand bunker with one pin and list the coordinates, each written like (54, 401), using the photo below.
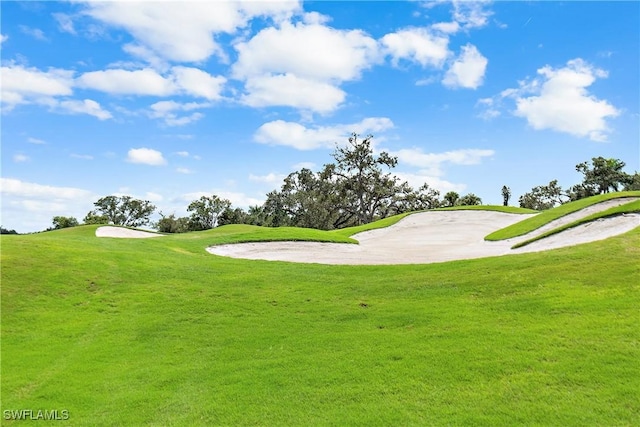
(124, 233)
(436, 236)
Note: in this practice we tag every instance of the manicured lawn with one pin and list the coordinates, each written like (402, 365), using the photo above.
(159, 332)
(545, 217)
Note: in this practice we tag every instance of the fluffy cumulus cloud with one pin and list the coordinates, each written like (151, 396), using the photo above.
(301, 65)
(85, 106)
(178, 81)
(288, 90)
(170, 112)
(146, 156)
(178, 33)
(33, 205)
(432, 163)
(280, 132)
(467, 71)
(558, 99)
(125, 82)
(417, 45)
(51, 88)
(271, 178)
(416, 180)
(23, 85)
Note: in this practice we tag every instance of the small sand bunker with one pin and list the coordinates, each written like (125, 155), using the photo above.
(124, 233)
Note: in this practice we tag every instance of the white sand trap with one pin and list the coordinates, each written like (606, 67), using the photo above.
(435, 236)
(124, 233)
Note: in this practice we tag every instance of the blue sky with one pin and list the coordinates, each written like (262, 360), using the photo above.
(168, 101)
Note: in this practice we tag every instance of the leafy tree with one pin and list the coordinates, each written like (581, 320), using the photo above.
(171, 224)
(205, 212)
(469, 200)
(506, 195)
(125, 211)
(256, 215)
(64, 222)
(543, 197)
(233, 216)
(407, 199)
(7, 231)
(363, 188)
(603, 175)
(633, 183)
(94, 218)
(451, 198)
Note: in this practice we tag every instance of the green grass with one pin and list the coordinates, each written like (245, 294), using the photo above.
(159, 332)
(494, 208)
(545, 217)
(632, 207)
(382, 223)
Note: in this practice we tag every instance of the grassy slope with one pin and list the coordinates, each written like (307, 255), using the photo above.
(535, 222)
(632, 207)
(158, 332)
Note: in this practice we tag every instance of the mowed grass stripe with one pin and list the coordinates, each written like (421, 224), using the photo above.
(533, 223)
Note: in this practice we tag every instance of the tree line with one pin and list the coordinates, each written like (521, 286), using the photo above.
(356, 188)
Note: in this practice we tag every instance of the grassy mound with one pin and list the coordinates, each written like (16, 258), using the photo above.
(530, 224)
(159, 332)
(632, 207)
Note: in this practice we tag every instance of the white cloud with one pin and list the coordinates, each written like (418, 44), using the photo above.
(146, 81)
(22, 85)
(302, 65)
(178, 33)
(20, 158)
(86, 106)
(471, 14)
(558, 100)
(270, 178)
(153, 197)
(416, 180)
(3, 38)
(416, 45)
(36, 33)
(185, 171)
(118, 81)
(36, 141)
(146, 156)
(15, 187)
(29, 206)
(82, 156)
(65, 23)
(167, 111)
(312, 51)
(292, 91)
(432, 163)
(183, 153)
(467, 70)
(300, 137)
(447, 27)
(196, 82)
(304, 165)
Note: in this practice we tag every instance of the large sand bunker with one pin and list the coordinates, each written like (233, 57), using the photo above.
(437, 236)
